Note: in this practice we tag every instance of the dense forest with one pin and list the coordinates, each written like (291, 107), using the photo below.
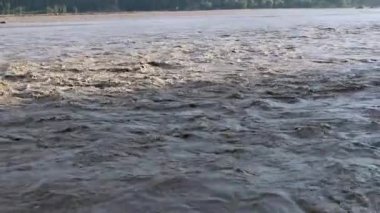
(74, 6)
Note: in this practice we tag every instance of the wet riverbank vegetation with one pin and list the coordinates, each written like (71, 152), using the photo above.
(74, 6)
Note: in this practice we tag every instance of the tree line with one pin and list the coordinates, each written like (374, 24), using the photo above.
(74, 6)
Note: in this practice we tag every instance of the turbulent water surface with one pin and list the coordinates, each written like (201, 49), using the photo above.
(229, 111)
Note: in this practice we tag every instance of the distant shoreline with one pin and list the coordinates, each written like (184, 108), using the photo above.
(95, 16)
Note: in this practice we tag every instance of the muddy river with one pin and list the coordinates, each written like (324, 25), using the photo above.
(227, 111)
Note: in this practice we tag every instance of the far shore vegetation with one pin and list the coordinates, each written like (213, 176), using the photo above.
(20, 7)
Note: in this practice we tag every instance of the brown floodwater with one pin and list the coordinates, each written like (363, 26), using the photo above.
(224, 111)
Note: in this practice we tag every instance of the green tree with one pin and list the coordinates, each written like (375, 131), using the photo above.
(74, 6)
